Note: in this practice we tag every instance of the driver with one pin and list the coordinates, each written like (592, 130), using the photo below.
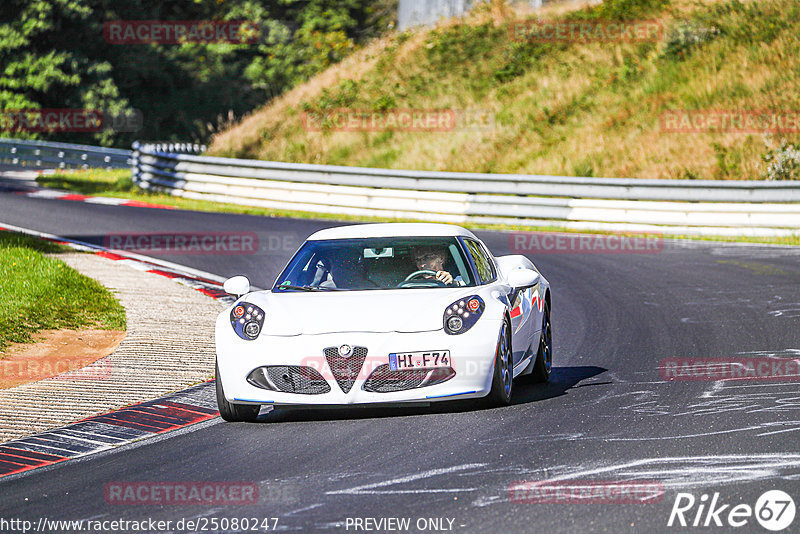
(432, 258)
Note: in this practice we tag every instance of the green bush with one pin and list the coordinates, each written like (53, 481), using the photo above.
(783, 162)
(687, 36)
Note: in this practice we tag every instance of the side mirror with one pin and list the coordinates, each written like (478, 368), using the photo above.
(523, 278)
(238, 286)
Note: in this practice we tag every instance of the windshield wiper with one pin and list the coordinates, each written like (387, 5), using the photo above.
(307, 288)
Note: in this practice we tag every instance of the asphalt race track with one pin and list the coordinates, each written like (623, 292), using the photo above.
(607, 415)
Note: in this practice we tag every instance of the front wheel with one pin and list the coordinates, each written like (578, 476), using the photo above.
(234, 412)
(544, 357)
(503, 380)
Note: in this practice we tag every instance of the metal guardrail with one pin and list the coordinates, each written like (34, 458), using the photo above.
(172, 148)
(48, 155)
(707, 207)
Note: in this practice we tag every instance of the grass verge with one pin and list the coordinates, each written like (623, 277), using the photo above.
(90, 182)
(558, 106)
(42, 293)
(115, 184)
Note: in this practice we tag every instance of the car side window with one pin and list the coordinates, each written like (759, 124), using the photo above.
(483, 264)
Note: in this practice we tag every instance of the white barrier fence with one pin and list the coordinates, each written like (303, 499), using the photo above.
(698, 207)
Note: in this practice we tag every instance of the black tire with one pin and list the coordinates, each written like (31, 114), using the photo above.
(503, 380)
(231, 412)
(544, 356)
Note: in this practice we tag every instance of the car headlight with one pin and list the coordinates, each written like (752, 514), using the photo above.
(461, 315)
(247, 320)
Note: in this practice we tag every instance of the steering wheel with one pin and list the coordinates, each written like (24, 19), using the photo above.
(418, 274)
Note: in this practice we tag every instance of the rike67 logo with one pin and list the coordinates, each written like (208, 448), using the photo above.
(774, 510)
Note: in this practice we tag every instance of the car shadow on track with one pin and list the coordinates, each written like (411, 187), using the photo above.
(562, 379)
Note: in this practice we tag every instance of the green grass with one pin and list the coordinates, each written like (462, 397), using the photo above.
(561, 107)
(77, 182)
(90, 182)
(40, 292)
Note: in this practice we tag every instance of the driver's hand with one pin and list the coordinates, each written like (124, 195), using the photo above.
(445, 277)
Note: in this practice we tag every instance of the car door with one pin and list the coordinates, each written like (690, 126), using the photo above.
(527, 307)
(521, 314)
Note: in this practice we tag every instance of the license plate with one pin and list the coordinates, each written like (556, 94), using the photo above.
(431, 359)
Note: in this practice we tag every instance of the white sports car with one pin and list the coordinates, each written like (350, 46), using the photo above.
(384, 314)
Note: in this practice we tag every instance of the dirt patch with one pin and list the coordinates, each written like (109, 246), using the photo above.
(59, 351)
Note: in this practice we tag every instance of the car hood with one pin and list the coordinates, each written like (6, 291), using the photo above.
(406, 310)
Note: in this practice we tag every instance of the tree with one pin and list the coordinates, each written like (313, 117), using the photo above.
(42, 68)
(54, 55)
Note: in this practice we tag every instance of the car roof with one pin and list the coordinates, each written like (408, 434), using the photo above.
(356, 231)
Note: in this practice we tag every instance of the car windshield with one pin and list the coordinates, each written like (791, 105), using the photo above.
(377, 263)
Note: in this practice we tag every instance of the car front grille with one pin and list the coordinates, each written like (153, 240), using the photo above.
(384, 380)
(289, 379)
(345, 369)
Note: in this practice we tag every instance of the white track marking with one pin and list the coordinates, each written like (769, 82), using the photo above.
(369, 489)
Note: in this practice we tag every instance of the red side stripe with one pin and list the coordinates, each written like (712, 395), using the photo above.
(189, 408)
(110, 255)
(19, 460)
(24, 453)
(24, 461)
(73, 197)
(164, 273)
(5, 470)
(167, 414)
(154, 419)
(127, 420)
(139, 204)
(10, 460)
